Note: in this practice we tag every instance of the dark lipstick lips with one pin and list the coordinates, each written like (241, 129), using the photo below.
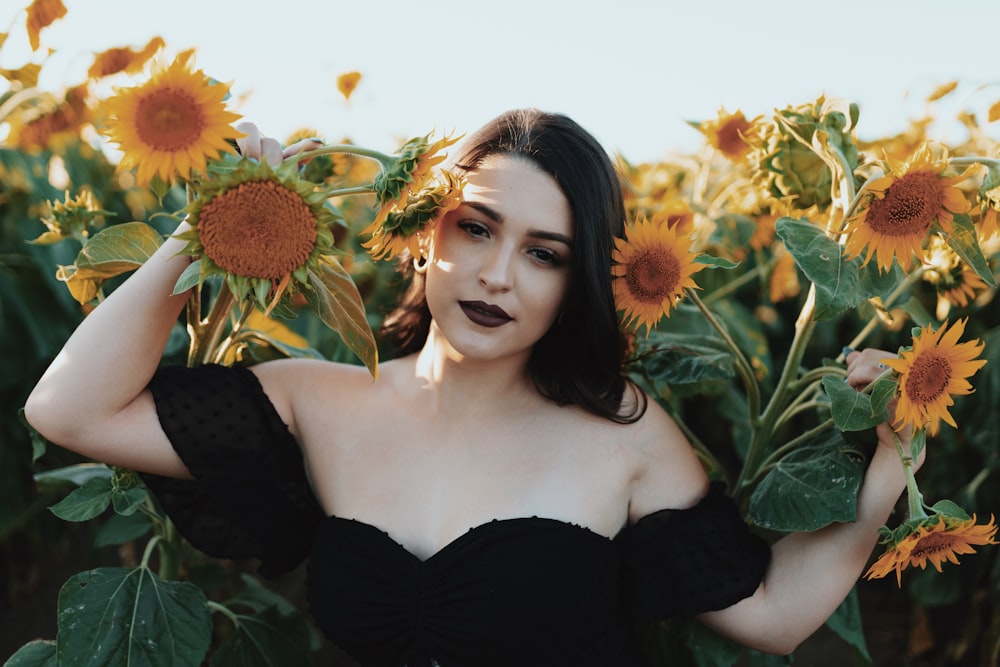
(484, 314)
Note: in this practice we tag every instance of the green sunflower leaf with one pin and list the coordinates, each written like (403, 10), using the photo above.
(38, 653)
(189, 279)
(268, 638)
(715, 262)
(118, 249)
(130, 617)
(335, 299)
(852, 410)
(811, 487)
(86, 502)
(964, 240)
(837, 281)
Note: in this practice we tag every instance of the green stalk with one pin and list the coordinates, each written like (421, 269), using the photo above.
(764, 429)
(349, 149)
(225, 611)
(743, 368)
(775, 456)
(733, 285)
(220, 352)
(914, 499)
(207, 332)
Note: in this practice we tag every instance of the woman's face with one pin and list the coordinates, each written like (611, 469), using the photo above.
(499, 264)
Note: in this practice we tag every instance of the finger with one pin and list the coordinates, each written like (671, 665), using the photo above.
(270, 151)
(302, 146)
(249, 144)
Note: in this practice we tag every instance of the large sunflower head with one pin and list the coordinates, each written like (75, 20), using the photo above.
(261, 228)
(935, 539)
(895, 217)
(934, 370)
(398, 228)
(652, 267)
(171, 124)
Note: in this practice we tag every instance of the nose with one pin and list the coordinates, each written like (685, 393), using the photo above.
(497, 272)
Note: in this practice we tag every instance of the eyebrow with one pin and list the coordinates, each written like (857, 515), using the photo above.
(496, 217)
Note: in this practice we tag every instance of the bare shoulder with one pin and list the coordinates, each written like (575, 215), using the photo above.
(297, 386)
(668, 472)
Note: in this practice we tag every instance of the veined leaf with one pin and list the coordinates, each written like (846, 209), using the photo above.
(86, 502)
(852, 409)
(964, 240)
(38, 653)
(811, 487)
(120, 617)
(335, 299)
(821, 259)
(269, 638)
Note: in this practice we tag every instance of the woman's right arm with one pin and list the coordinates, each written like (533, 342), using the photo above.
(93, 397)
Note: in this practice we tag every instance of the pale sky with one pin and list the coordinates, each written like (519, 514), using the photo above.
(631, 72)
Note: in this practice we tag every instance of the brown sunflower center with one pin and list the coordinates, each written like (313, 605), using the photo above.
(933, 544)
(928, 377)
(653, 275)
(730, 139)
(259, 229)
(169, 120)
(910, 205)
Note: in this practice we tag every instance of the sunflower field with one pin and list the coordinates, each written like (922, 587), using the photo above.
(749, 271)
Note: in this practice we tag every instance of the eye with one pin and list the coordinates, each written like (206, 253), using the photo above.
(473, 228)
(546, 256)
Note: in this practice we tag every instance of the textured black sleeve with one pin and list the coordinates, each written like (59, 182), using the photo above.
(684, 562)
(250, 497)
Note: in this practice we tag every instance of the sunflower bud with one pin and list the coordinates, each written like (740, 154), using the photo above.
(785, 150)
(71, 218)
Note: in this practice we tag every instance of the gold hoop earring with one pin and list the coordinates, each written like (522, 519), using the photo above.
(420, 264)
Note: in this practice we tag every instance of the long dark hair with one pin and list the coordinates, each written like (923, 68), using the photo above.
(579, 360)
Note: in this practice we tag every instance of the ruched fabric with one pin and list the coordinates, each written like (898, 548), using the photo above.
(527, 591)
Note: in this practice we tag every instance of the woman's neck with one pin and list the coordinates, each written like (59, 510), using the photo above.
(456, 381)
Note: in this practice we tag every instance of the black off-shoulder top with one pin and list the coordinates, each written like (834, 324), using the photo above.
(527, 591)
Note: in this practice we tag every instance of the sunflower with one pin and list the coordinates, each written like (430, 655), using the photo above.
(42, 14)
(936, 539)
(727, 133)
(399, 228)
(956, 284)
(409, 172)
(171, 124)
(123, 59)
(935, 369)
(899, 209)
(347, 82)
(53, 128)
(652, 268)
(261, 228)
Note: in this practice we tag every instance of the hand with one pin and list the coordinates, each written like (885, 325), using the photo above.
(863, 368)
(256, 146)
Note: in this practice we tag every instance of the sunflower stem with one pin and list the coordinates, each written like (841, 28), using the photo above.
(774, 457)
(742, 365)
(975, 159)
(914, 499)
(209, 331)
(356, 190)
(348, 149)
(733, 285)
(764, 427)
(227, 342)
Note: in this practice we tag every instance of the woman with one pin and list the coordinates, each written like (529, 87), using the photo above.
(501, 495)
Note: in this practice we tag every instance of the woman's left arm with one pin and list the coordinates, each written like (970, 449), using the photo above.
(810, 574)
